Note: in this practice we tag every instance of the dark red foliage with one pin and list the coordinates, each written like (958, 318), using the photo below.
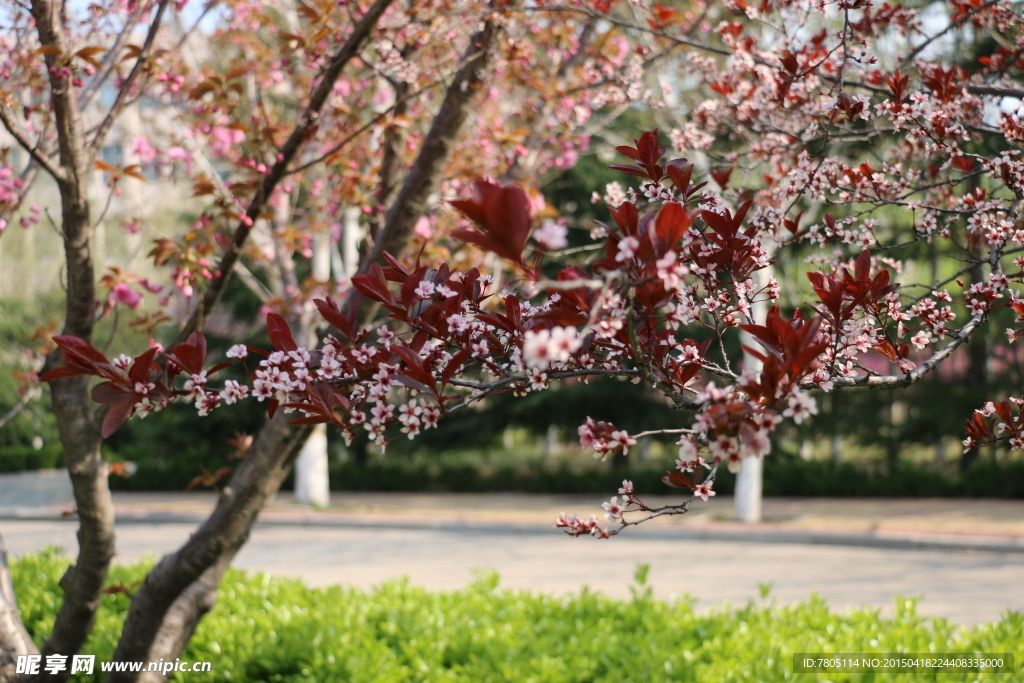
(677, 481)
(840, 298)
(681, 175)
(897, 83)
(321, 401)
(345, 324)
(646, 153)
(792, 350)
(502, 212)
(122, 389)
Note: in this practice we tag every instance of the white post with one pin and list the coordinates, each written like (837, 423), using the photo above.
(322, 257)
(747, 501)
(748, 490)
(311, 482)
(352, 232)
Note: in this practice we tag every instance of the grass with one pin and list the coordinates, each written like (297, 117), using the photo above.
(266, 628)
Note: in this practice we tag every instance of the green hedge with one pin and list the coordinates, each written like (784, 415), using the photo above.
(22, 458)
(273, 629)
(782, 477)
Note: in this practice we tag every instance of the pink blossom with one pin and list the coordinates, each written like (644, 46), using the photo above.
(543, 347)
(238, 351)
(552, 235)
(123, 293)
(703, 490)
(613, 509)
(146, 152)
(422, 228)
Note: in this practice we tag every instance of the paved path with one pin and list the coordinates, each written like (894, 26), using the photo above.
(439, 539)
(49, 493)
(965, 587)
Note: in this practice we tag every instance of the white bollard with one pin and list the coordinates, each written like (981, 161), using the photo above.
(747, 501)
(311, 481)
(748, 490)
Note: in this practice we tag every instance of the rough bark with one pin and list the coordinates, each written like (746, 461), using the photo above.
(390, 165)
(253, 484)
(426, 172)
(184, 616)
(14, 638)
(308, 120)
(83, 583)
(169, 586)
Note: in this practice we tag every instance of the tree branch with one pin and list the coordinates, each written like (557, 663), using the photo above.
(891, 381)
(83, 582)
(110, 58)
(952, 25)
(425, 174)
(211, 297)
(123, 92)
(14, 638)
(21, 137)
(17, 408)
(253, 483)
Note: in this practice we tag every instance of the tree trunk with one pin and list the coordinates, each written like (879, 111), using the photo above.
(254, 483)
(184, 615)
(262, 472)
(424, 177)
(14, 639)
(748, 490)
(892, 441)
(83, 582)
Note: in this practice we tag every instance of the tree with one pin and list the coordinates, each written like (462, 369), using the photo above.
(303, 112)
(813, 137)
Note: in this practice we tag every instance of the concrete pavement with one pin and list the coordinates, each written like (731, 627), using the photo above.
(957, 524)
(965, 587)
(965, 557)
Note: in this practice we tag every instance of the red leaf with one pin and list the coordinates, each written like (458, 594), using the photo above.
(513, 310)
(680, 174)
(395, 272)
(413, 384)
(503, 214)
(258, 351)
(416, 371)
(109, 393)
(453, 366)
(631, 170)
(677, 480)
(280, 334)
(626, 218)
(862, 270)
(143, 367)
(671, 224)
(629, 152)
(63, 373)
(649, 149)
(117, 415)
(197, 340)
(189, 357)
(374, 285)
(330, 312)
(79, 350)
(721, 176)
(726, 224)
